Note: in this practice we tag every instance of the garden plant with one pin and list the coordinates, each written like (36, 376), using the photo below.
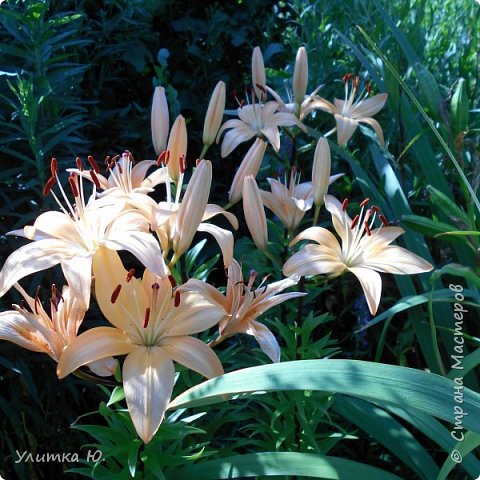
(239, 240)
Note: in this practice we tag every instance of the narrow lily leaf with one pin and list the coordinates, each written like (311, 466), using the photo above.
(390, 433)
(434, 430)
(469, 442)
(469, 362)
(384, 384)
(459, 233)
(458, 270)
(427, 226)
(443, 295)
(281, 463)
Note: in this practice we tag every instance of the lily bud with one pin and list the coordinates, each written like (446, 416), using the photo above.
(193, 206)
(250, 166)
(177, 147)
(300, 76)
(214, 116)
(321, 171)
(254, 212)
(160, 122)
(459, 107)
(258, 73)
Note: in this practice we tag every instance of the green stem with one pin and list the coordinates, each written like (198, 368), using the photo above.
(204, 151)
(93, 379)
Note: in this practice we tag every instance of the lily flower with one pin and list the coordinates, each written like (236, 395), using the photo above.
(257, 119)
(176, 222)
(72, 237)
(152, 323)
(159, 120)
(244, 305)
(35, 330)
(290, 203)
(177, 148)
(214, 115)
(258, 73)
(250, 165)
(255, 213)
(349, 113)
(364, 251)
(126, 177)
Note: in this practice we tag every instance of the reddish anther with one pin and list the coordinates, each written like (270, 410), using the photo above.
(369, 88)
(384, 220)
(367, 228)
(130, 274)
(172, 281)
(362, 204)
(95, 179)
(197, 161)
(345, 204)
(48, 186)
(130, 156)
(73, 185)
(183, 164)
(375, 209)
(356, 82)
(107, 161)
(37, 299)
(176, 301)
(53, 166)
(261, 88)
(146, 318)
(162, 158)
(242, 103)
(79, 164)
(355, 221)
(115, 293)
(347, 77)
(93, 164)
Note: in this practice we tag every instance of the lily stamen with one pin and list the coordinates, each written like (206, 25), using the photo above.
(146, 318)
(130, 274)
(115, 293)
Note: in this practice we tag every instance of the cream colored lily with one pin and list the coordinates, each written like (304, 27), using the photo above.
(177, 149)
(159, 120)
(364, 251)
(258, 74)
(250, 165)
(349, 113)
(214, 115)
(151, 325)
(244, 305)
(256, 119)
(255, 213)
(72, 237)
(35, 330)
(126, 177)
(290, 203)
(176, 222)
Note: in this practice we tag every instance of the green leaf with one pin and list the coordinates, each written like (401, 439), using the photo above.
(391, 434)
(469, 442)
(281, 463)
(443, 295)
(427, 226)
(384, 384)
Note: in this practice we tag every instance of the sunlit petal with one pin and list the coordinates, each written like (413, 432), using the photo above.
(265, 338)
(148, 378)
(371, 284)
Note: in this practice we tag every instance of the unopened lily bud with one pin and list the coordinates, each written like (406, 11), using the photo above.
(177, 147)
(214, 116)
(258, 73)
(300, 75)
(321, 171)
(255, 212)
(193, 207)
(160, 122)
(250, 166)
(104, 367)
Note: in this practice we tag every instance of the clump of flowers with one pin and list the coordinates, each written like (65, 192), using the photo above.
(152, 317)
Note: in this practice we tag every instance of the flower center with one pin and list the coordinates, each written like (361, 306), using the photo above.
(356, 229)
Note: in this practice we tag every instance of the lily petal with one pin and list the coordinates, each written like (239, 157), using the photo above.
(375, 125)
(398, 260)
(224, 239)
(371, 284)
(193, 354)
(265, 338)
(313, 260)
(345, 128)
(31, 258)
(148, 379)
(94, 344)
